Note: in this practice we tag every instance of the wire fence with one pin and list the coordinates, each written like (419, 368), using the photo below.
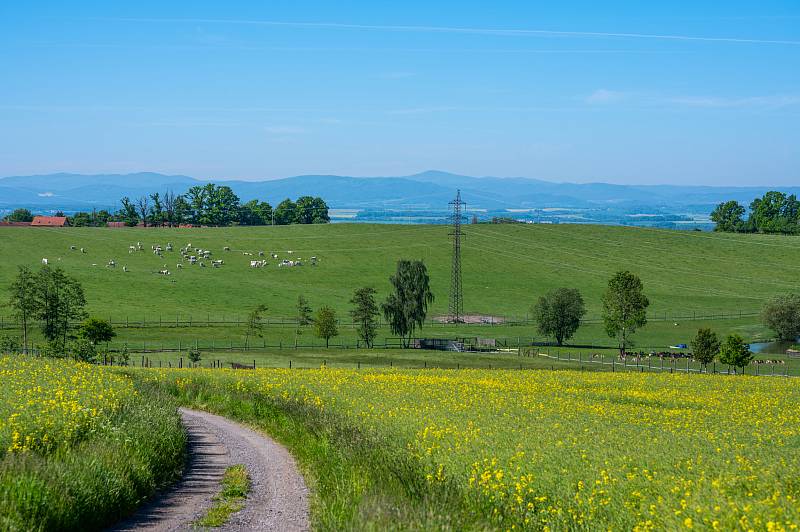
(673, 365)
(189, 321)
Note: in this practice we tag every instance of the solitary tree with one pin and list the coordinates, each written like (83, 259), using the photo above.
(364, 314)
(325, 324)
(782, 315)
(559, 312)
(735, 352)
(23, 301)
(407, 306)
(705, 346)
(97, 331)
(254, 325)
(624, 307)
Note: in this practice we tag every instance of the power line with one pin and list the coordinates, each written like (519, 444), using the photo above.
(456, 292)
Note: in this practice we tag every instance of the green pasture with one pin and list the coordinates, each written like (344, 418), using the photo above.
(505, 266)
(690, 277)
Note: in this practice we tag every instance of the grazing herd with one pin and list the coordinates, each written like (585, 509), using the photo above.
(191, 255)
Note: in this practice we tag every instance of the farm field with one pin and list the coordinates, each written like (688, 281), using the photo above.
(80, 445)
(506, 267)
(509, 449)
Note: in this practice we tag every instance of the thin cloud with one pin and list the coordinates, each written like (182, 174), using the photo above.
(284, 130)
(753, 101)
(608, 97)
(604, 96)
(452, 29)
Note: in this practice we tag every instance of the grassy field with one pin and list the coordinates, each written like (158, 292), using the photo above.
(80, 446)
(475, 449)
(506, 267)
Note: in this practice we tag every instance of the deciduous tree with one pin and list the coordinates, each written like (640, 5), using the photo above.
(624, 307)
(406, 307)
(559, 312)
(97, 330)
(735, 352)
(728, 216)
(705, 346)
(782, 315)
(23, 300)
(255, 327)
(325, 325)
(364, 314)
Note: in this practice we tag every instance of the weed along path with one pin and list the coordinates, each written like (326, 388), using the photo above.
(278, 496)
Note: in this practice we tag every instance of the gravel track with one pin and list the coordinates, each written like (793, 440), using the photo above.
(278, 498)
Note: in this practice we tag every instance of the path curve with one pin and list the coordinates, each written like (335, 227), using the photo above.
(278, 498)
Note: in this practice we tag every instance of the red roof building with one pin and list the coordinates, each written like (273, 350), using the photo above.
(49, 221)
(15, 224)
(115, 224)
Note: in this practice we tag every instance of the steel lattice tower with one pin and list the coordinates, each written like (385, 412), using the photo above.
(456, 293)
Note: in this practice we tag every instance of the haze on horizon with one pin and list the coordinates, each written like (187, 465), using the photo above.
(664, 93)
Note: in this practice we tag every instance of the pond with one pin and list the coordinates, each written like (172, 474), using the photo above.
(772, 348)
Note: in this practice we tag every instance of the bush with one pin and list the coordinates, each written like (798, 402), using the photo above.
(9, 344)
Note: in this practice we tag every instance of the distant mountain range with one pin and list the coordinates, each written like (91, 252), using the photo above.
(428, 190)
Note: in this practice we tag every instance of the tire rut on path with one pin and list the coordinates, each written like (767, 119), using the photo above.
(278, 498)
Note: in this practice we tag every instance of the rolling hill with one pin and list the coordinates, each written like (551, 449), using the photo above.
(426, 190)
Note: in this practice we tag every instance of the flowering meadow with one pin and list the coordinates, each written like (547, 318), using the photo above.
(550, 450)
(47, 403)
(80, 446)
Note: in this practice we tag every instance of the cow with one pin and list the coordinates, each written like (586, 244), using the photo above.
(44, 261)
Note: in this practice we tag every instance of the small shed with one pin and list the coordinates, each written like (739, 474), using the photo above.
(49, 221)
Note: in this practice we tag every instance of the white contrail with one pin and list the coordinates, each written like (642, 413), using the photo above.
(448, 29)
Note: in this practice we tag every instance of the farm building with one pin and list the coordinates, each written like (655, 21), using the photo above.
(115, 224)
(49, 221)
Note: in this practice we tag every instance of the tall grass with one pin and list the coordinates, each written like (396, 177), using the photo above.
(96, 475)
(567, 450)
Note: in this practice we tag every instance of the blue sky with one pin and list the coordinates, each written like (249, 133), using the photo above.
(625, 92)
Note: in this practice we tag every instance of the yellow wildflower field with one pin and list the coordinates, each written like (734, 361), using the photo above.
(566, 450)
(47, 403)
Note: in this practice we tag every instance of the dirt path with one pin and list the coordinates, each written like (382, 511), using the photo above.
(278, 498)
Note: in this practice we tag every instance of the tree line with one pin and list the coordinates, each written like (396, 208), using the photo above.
(558, 314)
(210, 205)
(218, 205)
(773, 213)
(404, 309)
(53, 299)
